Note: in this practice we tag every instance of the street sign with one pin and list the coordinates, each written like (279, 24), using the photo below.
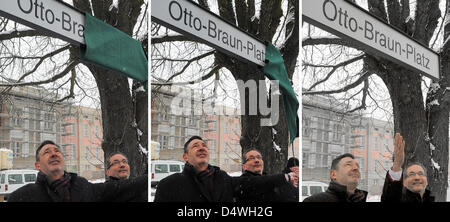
(55, 17)
(349, 21)
(188, 18)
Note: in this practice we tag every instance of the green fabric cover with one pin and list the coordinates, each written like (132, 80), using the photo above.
(111, 48)
(275, 70)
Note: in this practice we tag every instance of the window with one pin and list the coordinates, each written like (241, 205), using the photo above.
(74, 152)
(85, 130)
(175, 168)
(337, 132)
(304, 190)
(163, 142)
(375, 144)
(319, 123)
(171, 142)
(306, 126)
(15, 179)
(29, 178)
(48, 126)
(363, 141)
(326, 124)
(17, 149)
(213, 144)
(161, 168)
(325, 148)
(386, 145)
(318, 164)
(86, 152)
(361, 164)
(192, 120)
(319, 135)
(2, 179)
(324, 160)
(214, 126)
(325, 136)
(225, 128)
(318, 147)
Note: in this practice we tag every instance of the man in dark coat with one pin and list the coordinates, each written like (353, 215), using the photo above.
(202, 182)
(253, 166)
(119, 169)
(292, 191)
(345, 177)
(53, 184)
(409, 185)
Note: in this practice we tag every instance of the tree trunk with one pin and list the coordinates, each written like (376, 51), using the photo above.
(253, 135)
(118, 115)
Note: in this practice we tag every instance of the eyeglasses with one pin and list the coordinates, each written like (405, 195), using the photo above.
(115, 162)
(412, 174)
(254, 157)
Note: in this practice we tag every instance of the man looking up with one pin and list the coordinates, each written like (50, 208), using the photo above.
(345, 176)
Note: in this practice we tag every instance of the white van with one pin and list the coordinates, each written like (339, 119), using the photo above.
(11, 180)
(163, 168)
(310, 188)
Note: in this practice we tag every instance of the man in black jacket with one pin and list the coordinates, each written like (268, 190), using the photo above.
(409, 185)
(345, 176)
(53, 184)
(119, 169)
(253, 166)
(202, 182)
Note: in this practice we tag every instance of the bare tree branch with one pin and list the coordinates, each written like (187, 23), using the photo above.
(363, 77)
(54, 78)
(20, 34)
(334, 68)
(205, 77)
(170, 38)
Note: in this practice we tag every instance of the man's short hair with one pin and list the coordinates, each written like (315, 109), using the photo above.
(111, 155)
(46, 142)
(335, 162)
(404, 175)
(186, 148)
(244, 160)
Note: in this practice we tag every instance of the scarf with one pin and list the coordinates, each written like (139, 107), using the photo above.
(59, 190)
(205, 178)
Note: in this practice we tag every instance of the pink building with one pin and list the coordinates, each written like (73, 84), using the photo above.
(222, 133)
(81, 141)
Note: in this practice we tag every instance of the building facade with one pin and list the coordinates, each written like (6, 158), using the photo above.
(28, 116)
(328, 131)
(173, 125)
(81, 141)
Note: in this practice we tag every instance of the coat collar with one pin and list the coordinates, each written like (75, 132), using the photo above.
(218, 182)
(341, 191)
(410, 196)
